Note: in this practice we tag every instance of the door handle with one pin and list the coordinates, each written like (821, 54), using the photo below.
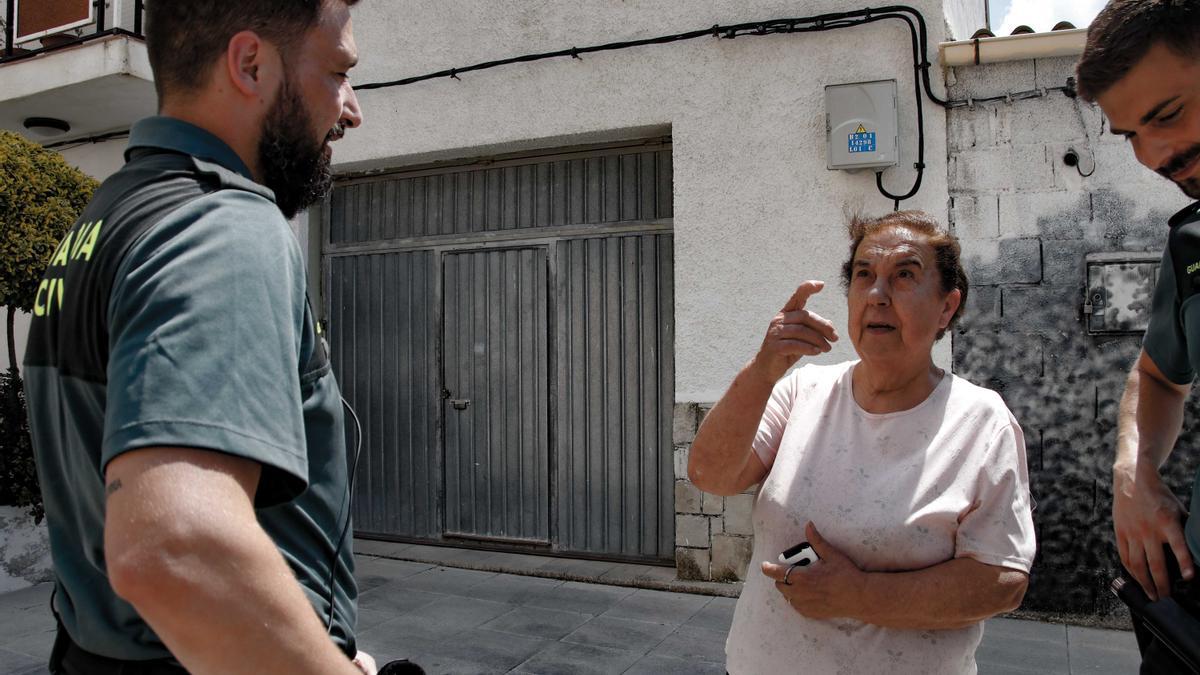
(460, 403)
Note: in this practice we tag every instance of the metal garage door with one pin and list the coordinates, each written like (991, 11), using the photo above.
(505, 330)
(496, 408)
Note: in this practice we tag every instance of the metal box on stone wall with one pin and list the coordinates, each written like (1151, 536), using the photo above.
(1119, 291)
(861, 125)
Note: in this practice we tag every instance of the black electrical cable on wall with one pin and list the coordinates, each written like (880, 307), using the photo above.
(819, 23)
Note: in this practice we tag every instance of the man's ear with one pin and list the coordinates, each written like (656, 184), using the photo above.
(251, 63)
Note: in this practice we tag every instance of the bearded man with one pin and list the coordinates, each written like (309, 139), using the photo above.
(188, 430)
(1142, 65)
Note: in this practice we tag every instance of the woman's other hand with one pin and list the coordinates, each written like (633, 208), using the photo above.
(793, 333)
(827, 589)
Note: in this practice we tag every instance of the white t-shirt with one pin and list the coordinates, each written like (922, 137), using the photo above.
(894, 492)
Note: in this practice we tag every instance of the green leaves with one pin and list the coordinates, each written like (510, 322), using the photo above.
(18, 473)
(40, 198)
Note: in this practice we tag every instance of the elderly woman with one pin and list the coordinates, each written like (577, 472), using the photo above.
(909, 483)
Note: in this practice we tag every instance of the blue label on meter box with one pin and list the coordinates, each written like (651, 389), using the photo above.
(862, 140)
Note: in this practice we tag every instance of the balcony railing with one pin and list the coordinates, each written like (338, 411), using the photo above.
(56, 24)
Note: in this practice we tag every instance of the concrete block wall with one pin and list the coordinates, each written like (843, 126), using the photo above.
(713, 535)
(1026, 221)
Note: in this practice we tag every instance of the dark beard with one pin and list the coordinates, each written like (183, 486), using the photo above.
(293, 166)
(1190, 186)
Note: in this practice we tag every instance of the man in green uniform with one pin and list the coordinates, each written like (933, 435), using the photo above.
(188, 431)
(1142, 65)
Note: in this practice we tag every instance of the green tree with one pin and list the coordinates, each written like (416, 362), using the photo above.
(40, 198)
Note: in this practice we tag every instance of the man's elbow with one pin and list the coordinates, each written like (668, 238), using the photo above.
(156, 567)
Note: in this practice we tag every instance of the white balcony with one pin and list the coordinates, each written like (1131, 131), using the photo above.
(85, 69)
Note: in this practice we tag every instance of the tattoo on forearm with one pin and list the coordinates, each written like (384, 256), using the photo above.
(112, 487)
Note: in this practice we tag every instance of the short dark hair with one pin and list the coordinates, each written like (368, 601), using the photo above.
(947, 252)
(1125, 30)
(185, 37)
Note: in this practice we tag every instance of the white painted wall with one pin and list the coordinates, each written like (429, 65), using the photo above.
(755, 209)
(98, 160)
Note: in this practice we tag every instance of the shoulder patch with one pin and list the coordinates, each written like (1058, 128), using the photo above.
(1183, 242)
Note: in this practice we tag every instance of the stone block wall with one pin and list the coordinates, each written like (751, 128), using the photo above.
(713, 535)
(1027, 221)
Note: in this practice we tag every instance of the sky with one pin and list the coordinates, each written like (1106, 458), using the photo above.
(1041, 15)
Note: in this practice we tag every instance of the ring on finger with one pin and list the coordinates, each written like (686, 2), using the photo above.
(787, 574)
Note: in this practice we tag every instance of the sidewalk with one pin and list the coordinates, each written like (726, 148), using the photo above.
(454, 620)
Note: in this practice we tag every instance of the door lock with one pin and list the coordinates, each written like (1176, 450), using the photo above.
(460, 403)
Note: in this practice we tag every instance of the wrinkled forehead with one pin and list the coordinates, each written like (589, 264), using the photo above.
(894, 244)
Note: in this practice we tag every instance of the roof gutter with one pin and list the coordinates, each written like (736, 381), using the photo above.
(1013, 47)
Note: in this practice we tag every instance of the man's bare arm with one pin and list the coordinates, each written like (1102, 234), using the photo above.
(1146, 514)
(183, 545)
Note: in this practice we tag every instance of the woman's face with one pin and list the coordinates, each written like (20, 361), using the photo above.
(896, 301)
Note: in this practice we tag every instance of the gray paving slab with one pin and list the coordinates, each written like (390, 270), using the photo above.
(395, 598)
(26, 598)
(411, 632)
(13, 663)
(538, 622)
(21, 627)
(449, 580)
(578, 568)
(365, 547)
(988, 668)
(657, 664)
(1098, 637)
(575, 596)
(693, 643)
(1035, 655)
(511, 588)
(493, 649)
(1102, 651)
(619, 633)
(1025, 630)
(562, 658)
(716, 615)
(440, 664)
(658, 606)
(369, 618)
(373, 572)
(463, 612)
(33, 644)
(627, 574)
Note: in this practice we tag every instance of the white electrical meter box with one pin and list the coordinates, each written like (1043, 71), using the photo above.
(861, 124)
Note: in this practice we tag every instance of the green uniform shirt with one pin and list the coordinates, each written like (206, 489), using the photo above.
(1172, 339)
(175, 314)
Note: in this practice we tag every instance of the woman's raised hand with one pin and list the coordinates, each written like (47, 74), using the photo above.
(793, 333)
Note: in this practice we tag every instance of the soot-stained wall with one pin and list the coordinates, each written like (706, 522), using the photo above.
(1027, 222)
